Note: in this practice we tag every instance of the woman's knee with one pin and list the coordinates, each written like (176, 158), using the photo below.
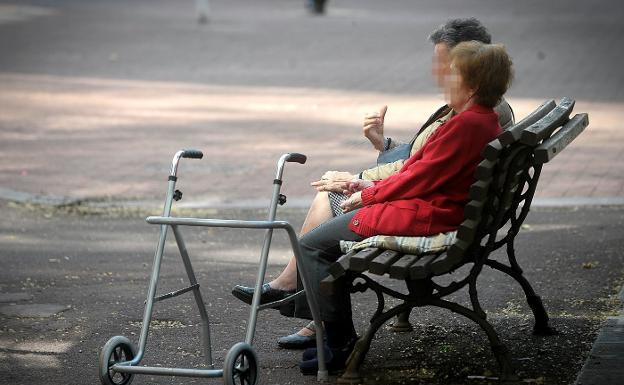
(320, 202)
(318, 213)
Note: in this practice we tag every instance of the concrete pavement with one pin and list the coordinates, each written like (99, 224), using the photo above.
(96, 268)
(604, 363)
(99, 95)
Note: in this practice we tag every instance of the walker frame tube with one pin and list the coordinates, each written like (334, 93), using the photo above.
(129, 366)
(165, 221)
(292, 235)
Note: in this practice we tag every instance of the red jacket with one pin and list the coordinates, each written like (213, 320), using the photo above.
(427, 196)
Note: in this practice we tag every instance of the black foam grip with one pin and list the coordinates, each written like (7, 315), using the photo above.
(296, 157)
(193, 154)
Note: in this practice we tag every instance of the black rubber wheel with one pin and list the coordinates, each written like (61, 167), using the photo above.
(117, 349)
(240, 366)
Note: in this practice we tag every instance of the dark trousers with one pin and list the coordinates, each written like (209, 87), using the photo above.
(320, 248)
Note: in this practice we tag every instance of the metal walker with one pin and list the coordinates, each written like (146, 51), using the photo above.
(119, 358)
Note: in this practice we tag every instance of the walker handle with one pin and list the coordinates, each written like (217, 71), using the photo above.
(296, 157)
(193, 154)
(289, 157)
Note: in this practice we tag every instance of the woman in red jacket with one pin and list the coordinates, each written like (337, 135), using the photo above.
(426, 197)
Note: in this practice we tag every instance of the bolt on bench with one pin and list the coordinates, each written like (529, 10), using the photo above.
(501, 197)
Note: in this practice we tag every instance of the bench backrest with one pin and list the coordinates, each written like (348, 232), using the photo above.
(506, 180)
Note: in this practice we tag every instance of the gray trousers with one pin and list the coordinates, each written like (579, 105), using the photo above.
(320, 248)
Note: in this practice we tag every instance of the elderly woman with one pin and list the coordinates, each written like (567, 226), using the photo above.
(426, 197)
(326, 204)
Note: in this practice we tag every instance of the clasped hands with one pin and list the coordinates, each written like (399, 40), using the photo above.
(345, 183)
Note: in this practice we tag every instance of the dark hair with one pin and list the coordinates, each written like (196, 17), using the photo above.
(486, 68)
(455, 31)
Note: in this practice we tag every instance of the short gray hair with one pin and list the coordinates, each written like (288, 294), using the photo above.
(456, 31)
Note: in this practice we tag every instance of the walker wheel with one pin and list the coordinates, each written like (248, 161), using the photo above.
(117, 349)
(240, 366)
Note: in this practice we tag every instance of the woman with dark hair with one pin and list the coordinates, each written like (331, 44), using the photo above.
(425, 197)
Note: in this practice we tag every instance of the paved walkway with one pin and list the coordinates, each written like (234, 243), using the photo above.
(96, 97)
(94, 270)
(604, 366)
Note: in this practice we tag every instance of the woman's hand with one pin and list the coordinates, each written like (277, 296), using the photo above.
(338, 176)
(354, 202)
(356, 185)
(373, 128)
(354, 192)
(330, 185)
(333, 181)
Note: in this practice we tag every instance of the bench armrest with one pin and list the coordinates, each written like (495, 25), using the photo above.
(555, 144)
(542, 129)
(513, 134)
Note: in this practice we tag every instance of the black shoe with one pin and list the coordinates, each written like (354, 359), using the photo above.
(268, 294)
(335, 359)
(297, 341)
(310, 353)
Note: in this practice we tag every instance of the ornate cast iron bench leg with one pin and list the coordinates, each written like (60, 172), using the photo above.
(352, 370)
(420, 295)
(541, 326)
(402, 324)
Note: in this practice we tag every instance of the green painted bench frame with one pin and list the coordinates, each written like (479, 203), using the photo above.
(501, 197)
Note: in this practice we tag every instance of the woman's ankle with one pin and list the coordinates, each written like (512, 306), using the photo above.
(281, 285)
(305, 332)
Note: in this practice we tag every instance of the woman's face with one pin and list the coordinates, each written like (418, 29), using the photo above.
(458, 95)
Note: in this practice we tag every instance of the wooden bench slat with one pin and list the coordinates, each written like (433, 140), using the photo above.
(553, 146)
(400, 268)
(421, 269)
(485, 169)
(360, 261)
(339, 268)
(544, 128)
(448, 261)
(473, 209)
(492, 150)
(381, 264)
(467, 230)
(513, 134)
(479, 189)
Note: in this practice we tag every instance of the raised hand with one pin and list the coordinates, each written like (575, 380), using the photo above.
(373, 128)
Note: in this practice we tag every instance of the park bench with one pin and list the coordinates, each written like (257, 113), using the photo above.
(500, 200)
